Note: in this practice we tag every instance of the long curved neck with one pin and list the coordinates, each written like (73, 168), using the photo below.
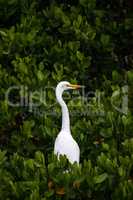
(65, 114)
(65, 118)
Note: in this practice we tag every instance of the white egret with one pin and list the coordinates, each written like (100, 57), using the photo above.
(64, 143)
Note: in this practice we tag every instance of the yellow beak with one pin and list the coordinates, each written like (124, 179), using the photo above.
(73, 86)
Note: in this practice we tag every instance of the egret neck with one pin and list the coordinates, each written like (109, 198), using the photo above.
(65, 114)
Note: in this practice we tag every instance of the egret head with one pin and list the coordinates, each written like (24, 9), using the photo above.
(65, 85)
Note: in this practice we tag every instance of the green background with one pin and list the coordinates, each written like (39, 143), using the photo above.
(87, 42)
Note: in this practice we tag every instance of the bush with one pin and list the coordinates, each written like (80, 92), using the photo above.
(42, 43)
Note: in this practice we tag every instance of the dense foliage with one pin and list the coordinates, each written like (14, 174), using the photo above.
(87, 42)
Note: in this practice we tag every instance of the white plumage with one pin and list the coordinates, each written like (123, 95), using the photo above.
(64, 143)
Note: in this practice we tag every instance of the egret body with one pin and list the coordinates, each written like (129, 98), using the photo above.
(64, 143)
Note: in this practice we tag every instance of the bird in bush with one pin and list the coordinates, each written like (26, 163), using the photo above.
(64, 143)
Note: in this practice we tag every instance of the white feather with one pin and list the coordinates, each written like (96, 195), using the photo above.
(64, 143)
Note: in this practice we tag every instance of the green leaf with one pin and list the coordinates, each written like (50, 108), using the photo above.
(49, 193)
(90, 4)
(79, 55)
(106, 132)
(105, 39)
(79, 20)
(130, 77)
(2, 33)
(40, 75)
(23, 68)
(105, 146)
(26, 129)
(30, 163)
(115, 75)
(100, 178)
(39, 157)
(2, 157)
